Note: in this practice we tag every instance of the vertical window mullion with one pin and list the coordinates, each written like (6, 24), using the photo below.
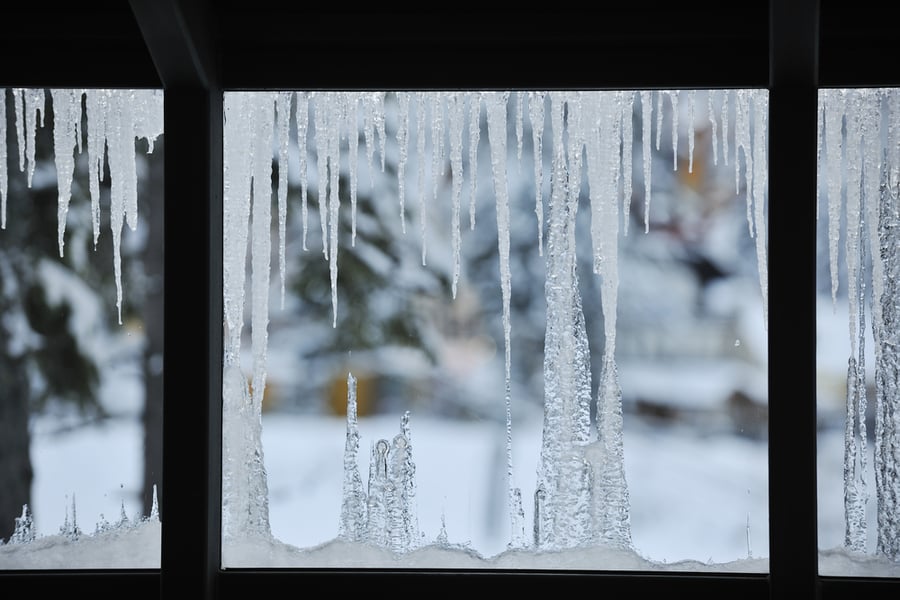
(792, 255)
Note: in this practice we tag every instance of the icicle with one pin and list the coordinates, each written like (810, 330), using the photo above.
(691, 99)
(353, 503)
(378, 116)
(283, 124)
(261, 245)
(455, 106)
(301, 116)
(320, 136)
(4, 175)
(760, 191)
(474, 136)
(673, 98)
(853, 209)
(646, 112)
(520, 122)
(742, 141)
(66, 111)
(659, 117)
(834, 114)
(495, 103)
(117, 195)
(627, 104)
(237, 177)
(403, 146)
(19, 104)
(536, 115)
(820, 139)
(35, 102)
(437, 142)
(726, 108)
(421, 99)
(95, 115)
(350, 106)
(369, 135)
(711, 113)
(332, 132)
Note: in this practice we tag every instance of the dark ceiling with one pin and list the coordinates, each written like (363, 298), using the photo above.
(279, 44)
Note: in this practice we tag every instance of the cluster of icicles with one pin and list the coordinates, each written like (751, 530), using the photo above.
(115, 120)
(859, 163)
(582, 495)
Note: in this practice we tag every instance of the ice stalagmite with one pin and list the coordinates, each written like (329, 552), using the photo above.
(567, 375)
(390, 517)
(886, 332)
(495, 105)
(353, 503)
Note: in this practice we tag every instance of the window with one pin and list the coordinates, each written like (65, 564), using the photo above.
(274, 45)
(82, 358)
(390, 276)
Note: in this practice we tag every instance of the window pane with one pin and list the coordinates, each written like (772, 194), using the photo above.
(859, 437)
(432, 362)
(81, 324)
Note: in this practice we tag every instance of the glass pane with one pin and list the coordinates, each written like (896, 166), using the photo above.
(443, 353)
(859, 436)
(81, 328)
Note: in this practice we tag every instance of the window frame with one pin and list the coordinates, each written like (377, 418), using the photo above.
(197, 50)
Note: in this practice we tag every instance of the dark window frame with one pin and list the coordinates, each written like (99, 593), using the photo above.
(196, 50)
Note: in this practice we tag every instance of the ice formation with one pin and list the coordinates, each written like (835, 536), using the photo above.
(115, 119)
(582, 493)
(860, 163)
